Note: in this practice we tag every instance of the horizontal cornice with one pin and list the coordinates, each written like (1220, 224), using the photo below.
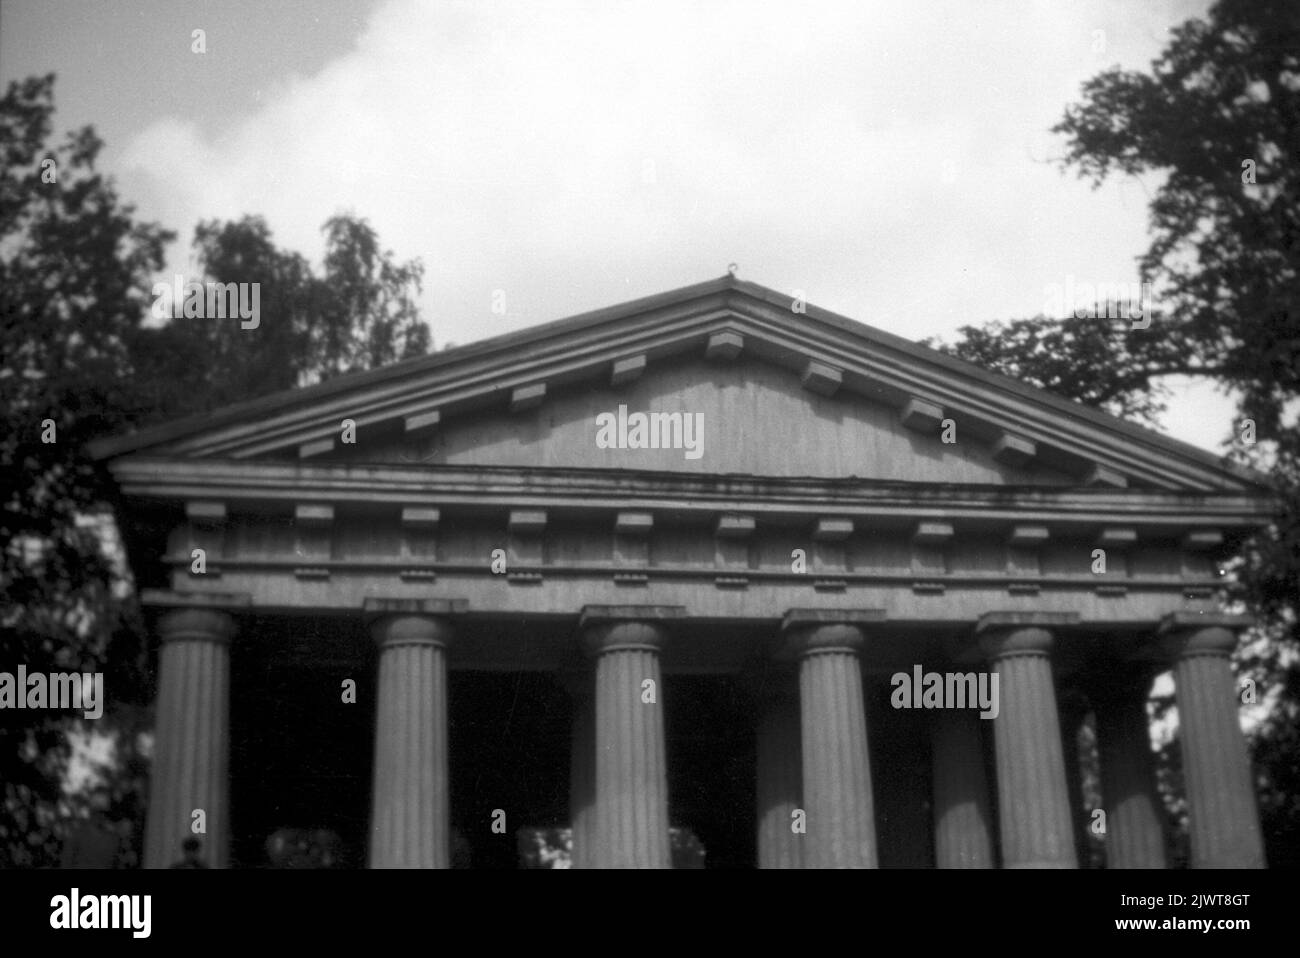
(260, 484)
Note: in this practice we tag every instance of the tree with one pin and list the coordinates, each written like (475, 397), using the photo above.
(368, 316)
(197, 363)
(1218, 118)
(74, 265)
(1112, 366)
(360, 313)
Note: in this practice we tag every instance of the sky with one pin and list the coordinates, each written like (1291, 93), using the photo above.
(890, 162)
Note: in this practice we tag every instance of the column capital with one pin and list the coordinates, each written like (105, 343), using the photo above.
(196, 624)
(1023, 640)
(606, 628)
(1020, 633)
(1212, 640)
(811, 631)
(1185, 634)
(829, 637)
(394, 622)
(623, 635)
(393, 630)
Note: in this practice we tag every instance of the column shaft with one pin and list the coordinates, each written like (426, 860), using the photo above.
(780, 784)
(836, 767)
(1134, 830)
(962, 819)
(582, 781)
(411, 807)
(192, 739)
(631, 764)
(1072, 711)
(1223, 817)
(1033, 799)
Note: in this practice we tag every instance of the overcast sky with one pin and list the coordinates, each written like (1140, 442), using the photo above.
(892, 161)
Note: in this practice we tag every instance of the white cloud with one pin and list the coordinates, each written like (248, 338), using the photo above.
(887, 159)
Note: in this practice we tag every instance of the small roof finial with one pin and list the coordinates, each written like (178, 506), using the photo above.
(732, 267)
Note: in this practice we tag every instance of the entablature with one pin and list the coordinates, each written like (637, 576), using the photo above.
(259, 486)
(313, 534)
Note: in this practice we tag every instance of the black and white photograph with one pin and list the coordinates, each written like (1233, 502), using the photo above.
(699, 434)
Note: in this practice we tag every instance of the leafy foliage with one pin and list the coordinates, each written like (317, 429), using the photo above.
(73, 269)
(1104, 363)
(360, 313)
(1224, 257)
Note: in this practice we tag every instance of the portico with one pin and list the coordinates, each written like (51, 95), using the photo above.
(825, 537)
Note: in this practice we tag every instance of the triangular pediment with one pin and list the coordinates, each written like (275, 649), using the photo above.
(762, 386)
(695, 415)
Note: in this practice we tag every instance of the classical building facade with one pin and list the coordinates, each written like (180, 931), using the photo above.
(658, 566)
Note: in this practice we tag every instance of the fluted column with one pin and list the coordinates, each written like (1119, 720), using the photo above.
(1072, 710)
(191, 739)
(631, 763)
(836, 767)
(780, 780)
(1222, 814)
(1033, 800)
(410, 826)
(582, 771)
(962, 818)
(1134, 830)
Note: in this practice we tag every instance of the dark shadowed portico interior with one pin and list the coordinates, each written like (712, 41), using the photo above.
(302, 758)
